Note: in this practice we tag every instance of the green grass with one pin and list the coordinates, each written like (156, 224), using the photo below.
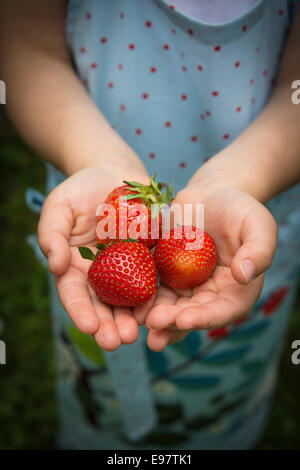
(27, 407)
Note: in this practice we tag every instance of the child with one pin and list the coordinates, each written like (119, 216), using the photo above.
(134, 87)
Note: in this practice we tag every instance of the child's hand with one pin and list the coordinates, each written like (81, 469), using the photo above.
(68, 220)
(245, 234)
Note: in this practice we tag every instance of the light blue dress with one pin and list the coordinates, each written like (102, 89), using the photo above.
(178, 90)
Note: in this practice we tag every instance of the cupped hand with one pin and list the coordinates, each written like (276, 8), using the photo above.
(245, 234)
(68, 220)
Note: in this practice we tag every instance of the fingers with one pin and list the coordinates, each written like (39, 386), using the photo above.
(73, 293)
(57, 252)
(141, 311)
(117, 325)
(162, 314)
(54, 230)
(234, 302)
(126, 324)
(107, 335)
(91, 316)
(158, 340)
(258, 236)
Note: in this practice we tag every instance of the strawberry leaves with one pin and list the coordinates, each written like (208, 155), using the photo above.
(86, 253)
(151, 194)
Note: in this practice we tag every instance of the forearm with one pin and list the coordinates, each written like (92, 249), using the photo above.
(45, 99)
(265, 159)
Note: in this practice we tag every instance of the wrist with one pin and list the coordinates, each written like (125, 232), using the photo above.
(236, 169)
(123, 160)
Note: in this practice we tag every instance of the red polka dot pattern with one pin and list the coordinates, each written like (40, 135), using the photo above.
(189, 68)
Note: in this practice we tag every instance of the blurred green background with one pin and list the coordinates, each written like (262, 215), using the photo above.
(27, 408)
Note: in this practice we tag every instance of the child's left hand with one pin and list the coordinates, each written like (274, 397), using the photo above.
(245, 234)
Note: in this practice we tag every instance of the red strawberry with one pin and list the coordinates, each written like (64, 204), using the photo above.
(122, 274)
(182, 267)
(125, 197)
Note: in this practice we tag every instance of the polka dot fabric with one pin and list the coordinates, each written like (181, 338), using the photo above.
(155, 71)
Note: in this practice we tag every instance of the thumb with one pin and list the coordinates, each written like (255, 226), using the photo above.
(258, 236)
(54, 231)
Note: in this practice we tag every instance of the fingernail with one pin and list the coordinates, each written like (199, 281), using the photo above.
(248, 268)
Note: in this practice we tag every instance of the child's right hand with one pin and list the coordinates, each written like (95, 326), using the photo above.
(68, 220)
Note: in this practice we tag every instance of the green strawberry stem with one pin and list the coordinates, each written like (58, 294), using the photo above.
(87, 253)
(155, 186)
(150, 194)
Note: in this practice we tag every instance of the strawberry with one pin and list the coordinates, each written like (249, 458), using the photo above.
(181, 267)
(125, 197)
(122, 274)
